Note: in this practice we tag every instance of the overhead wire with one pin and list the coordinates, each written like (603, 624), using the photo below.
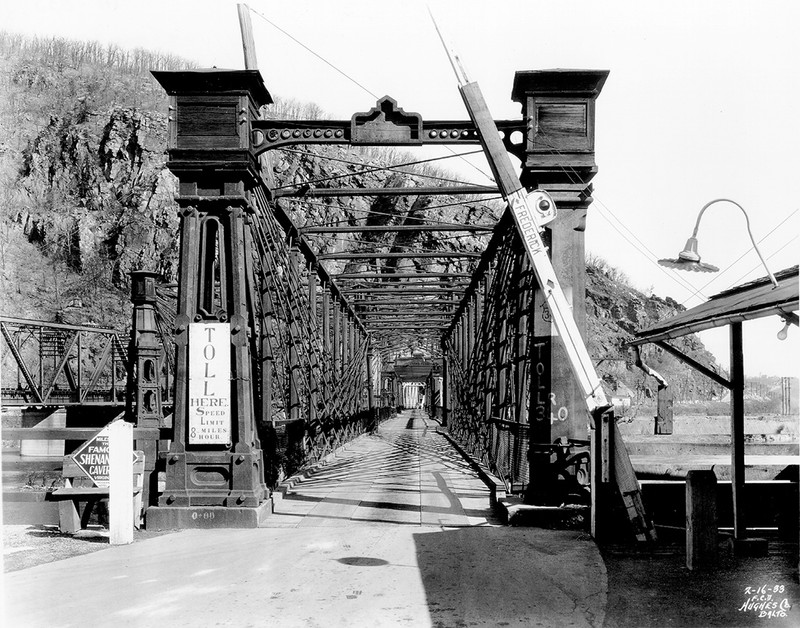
(318, 56)
(686, 285)
(351, 79)
(770, 256)
(570, 171)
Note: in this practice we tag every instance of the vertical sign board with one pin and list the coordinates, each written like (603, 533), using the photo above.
(209, 384)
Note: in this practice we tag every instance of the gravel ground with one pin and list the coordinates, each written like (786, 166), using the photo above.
(30, 545)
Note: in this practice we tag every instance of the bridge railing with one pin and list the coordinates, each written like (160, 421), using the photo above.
(311, 353)
(491, 358)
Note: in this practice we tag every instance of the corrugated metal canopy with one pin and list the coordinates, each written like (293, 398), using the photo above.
(755, 299)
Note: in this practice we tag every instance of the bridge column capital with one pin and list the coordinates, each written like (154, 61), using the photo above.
(559, 111)
(211, 135)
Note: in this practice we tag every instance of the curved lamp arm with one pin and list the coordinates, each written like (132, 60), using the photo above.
(750, 233)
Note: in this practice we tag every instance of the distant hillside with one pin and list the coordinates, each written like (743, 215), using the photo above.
(616, 310)
(85, 198)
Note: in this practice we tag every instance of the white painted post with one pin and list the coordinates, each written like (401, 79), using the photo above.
(120, 489)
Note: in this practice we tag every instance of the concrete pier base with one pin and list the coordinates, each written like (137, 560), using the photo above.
(196, 517)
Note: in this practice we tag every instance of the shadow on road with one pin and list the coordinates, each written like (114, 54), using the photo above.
(491, 576)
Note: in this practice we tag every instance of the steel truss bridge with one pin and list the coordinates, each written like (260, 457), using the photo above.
(322, 339)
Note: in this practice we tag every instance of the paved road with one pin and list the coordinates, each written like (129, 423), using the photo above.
(396, 531)
(406, 474)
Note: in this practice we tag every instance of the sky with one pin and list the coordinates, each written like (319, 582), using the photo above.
(700, 104)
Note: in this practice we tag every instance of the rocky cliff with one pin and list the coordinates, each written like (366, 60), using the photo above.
(86, 198)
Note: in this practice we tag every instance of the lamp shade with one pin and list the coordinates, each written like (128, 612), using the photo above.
(689, 259)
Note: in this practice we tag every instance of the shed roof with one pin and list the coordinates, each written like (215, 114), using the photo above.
(748, 301)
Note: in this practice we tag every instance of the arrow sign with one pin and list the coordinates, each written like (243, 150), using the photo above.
(92, 458)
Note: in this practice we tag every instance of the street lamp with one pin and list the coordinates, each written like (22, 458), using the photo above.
(689, 258)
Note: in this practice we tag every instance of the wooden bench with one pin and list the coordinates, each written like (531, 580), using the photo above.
(80, 489)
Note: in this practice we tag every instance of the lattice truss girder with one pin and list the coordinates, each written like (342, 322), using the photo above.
(61, 364)
(491, 357)
(310, 382)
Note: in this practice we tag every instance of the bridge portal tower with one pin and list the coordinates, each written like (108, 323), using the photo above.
(559, 110)
(214, 467)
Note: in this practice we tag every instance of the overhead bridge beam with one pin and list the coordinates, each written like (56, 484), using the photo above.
(406, 276)
(408, 254)
(398, 289)
(394, 228)
(369, 303)
(410, 324)
(450, 190)
(373, 317)
(428, 326)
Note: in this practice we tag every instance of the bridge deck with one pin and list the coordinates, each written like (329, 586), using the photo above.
(407, 473)
(396, 531)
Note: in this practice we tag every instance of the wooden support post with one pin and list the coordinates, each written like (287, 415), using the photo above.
(248, 43)
(664, 410)
(737, 430)
(701, 520)
(601, 461)
(120, 482)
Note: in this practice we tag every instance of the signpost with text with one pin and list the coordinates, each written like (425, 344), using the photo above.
(92, 458)
(209, 384)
